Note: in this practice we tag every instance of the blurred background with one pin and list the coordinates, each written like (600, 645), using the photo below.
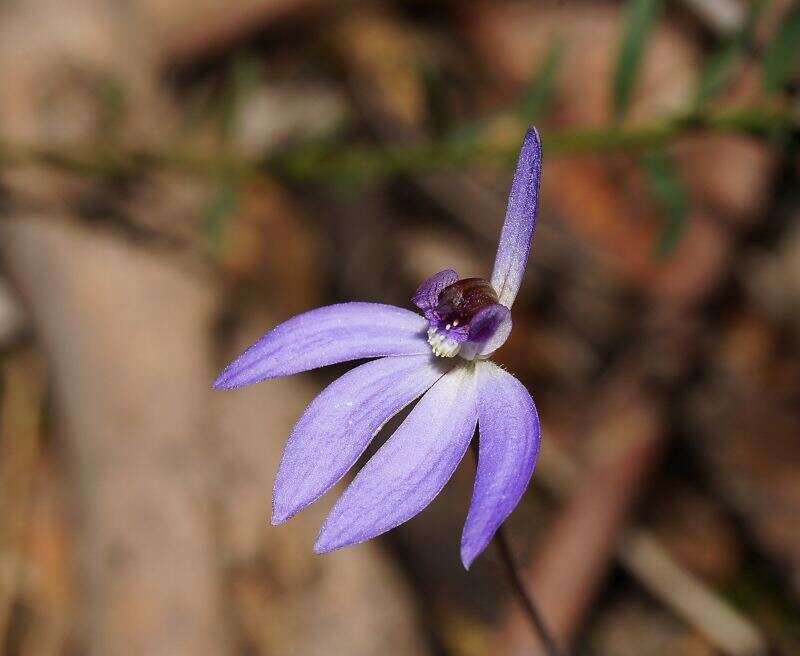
(177, 176)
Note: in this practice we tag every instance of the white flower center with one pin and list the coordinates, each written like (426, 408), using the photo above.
(443, 346)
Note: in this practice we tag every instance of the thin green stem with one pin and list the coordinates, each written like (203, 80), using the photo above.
(518, 585)
(315, 161)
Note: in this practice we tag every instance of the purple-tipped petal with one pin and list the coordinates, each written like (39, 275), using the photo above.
(486, 321)
(488, 331)
(407, 472)
(509, 434)
(427, 295)
(517, 233)
(327, 335)
(340, 423)
(499, 335)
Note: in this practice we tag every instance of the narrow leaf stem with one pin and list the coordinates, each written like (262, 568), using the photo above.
(518, 585)
(336, 161)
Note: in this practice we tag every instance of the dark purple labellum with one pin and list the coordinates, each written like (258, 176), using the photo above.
(459, 302)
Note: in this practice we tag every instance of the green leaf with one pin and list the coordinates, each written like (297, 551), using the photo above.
(671, 195)
(538, 98)
(641, 18)
(726, 61)
(719, 72)
(783, 53)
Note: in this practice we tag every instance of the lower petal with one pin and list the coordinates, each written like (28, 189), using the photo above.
(340, 423)
(509, 436)
(407, 472)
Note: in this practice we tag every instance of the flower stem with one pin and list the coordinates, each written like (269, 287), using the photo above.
(518, 585)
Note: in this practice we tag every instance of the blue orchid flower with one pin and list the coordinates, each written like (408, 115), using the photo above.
(443, 357)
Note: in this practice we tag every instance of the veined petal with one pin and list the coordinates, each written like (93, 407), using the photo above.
(407, 472)
(517, 233)
(340, 423)
(427, 295)
(327, 335)
(509, 435)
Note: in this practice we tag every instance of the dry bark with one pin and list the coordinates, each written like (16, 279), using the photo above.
(125, 333)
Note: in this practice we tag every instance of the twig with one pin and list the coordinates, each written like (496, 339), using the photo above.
(323, 161)
(725, 628)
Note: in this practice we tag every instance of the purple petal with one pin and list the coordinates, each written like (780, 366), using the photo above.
(486, 322)
(407, 472)
(427, 295)
(488, 331)
(502, 329)
(509, 433)
(340, 423)
(336, 333)
(517, 233)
